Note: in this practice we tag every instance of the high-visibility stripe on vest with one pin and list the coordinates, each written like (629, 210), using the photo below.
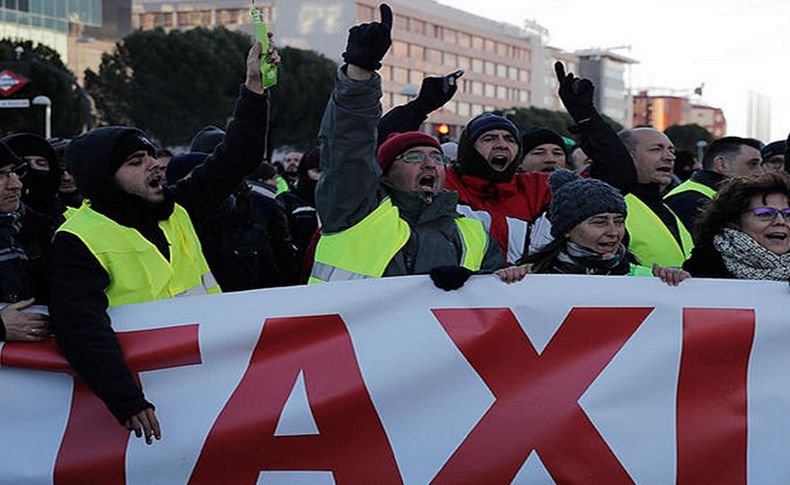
(365, 250)
(138, 271)
(651, 240)
(692, 186)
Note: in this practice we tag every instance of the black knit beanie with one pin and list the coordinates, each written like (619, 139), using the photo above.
(574, 199)
(537, 136)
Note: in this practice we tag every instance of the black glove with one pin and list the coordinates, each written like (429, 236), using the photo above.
(576, 94)
(450, 278)
(368, 43)
(435, 92)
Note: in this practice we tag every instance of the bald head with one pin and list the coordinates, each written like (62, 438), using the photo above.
(653, 154)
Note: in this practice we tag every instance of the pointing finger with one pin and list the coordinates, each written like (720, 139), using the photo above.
(559, 68)
(386, 15)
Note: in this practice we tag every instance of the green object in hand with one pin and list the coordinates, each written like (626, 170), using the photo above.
(268, 71)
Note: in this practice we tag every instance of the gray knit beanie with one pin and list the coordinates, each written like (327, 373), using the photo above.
(574, 199)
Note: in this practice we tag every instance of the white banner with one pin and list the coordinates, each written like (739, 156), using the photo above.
(555, 379)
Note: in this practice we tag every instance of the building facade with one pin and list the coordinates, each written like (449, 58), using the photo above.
(185, 15)
(664, 110)
(608, 71)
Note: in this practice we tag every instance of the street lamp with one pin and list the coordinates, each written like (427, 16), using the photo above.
(47, 104)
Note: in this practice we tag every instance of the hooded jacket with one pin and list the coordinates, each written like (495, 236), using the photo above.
(78, 305)
(40, 191)
(350, 187)
(507, 202)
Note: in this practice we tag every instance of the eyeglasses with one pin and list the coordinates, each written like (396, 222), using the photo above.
(768, 214)
(19, 170)
(420, 157)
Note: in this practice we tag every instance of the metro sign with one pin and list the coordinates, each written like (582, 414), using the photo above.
(11, 82)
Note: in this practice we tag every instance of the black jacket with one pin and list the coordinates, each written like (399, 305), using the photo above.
(247, 244)
(706, 262)
(78, 304)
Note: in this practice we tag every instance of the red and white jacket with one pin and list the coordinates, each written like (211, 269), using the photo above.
(506, 209)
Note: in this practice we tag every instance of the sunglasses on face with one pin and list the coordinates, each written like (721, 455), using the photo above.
(19, 170)
(420, 157)
(767, 214)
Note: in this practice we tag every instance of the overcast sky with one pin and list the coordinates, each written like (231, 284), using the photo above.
(731, 45)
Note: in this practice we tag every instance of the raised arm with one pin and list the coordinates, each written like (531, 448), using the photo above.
(435, 92)
(612, 162)
(349, 186)
(240, 152)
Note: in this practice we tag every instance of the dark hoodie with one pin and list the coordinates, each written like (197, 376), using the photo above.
(299, 203)
(78, 304)
(40, 187)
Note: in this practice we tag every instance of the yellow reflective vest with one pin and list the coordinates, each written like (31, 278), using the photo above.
(692, 186)
(651, 240)
(138, 271)
(365, 250)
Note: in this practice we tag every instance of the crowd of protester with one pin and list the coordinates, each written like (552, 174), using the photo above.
(108, 219)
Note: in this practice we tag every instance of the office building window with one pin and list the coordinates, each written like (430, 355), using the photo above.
(464, 109)
(477, 65)
(450, 60)
(400, 75)
(415, 77)
(416, 51)
(463, 62)
(490, 68)
(417, 26)
(364, 13)
(501, 70)
(477, 43)
(450, 36)
(400, 49)
(501, 92)
(490, 90)
(512, 73)
(477, 88)
(401, 23)
(464, 40)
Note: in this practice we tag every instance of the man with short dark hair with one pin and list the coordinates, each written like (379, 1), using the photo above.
(726, 157)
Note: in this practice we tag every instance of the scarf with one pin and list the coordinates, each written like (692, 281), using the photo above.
(15, 271)
(577, 259)
(746, 259)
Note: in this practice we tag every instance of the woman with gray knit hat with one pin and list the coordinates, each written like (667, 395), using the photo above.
(587, 217)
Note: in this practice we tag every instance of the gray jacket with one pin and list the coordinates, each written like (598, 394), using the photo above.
(350, 187)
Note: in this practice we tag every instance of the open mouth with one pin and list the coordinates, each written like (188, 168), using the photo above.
(427, 182)
(156, 181)
(499, 162)
(776, 236)
(549, 169)
(666, 170)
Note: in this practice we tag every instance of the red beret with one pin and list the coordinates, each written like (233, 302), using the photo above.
(398, 143)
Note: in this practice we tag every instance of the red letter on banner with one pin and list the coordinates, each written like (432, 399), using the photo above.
(351, 440)
(711, 412)
(536, 405)
(93, 449)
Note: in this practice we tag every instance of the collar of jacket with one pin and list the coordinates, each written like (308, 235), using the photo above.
(708, 177)
(486, 189)
(417, 209)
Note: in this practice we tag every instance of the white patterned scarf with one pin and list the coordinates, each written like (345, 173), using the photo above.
(748, 260)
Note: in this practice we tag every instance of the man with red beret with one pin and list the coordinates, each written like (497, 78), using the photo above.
(386, 213)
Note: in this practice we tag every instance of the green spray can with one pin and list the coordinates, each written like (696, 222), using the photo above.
(268, 71)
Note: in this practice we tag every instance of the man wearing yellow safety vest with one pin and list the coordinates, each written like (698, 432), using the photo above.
(726, 157)
(638, 162)
(387, 214)
(133, 240)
